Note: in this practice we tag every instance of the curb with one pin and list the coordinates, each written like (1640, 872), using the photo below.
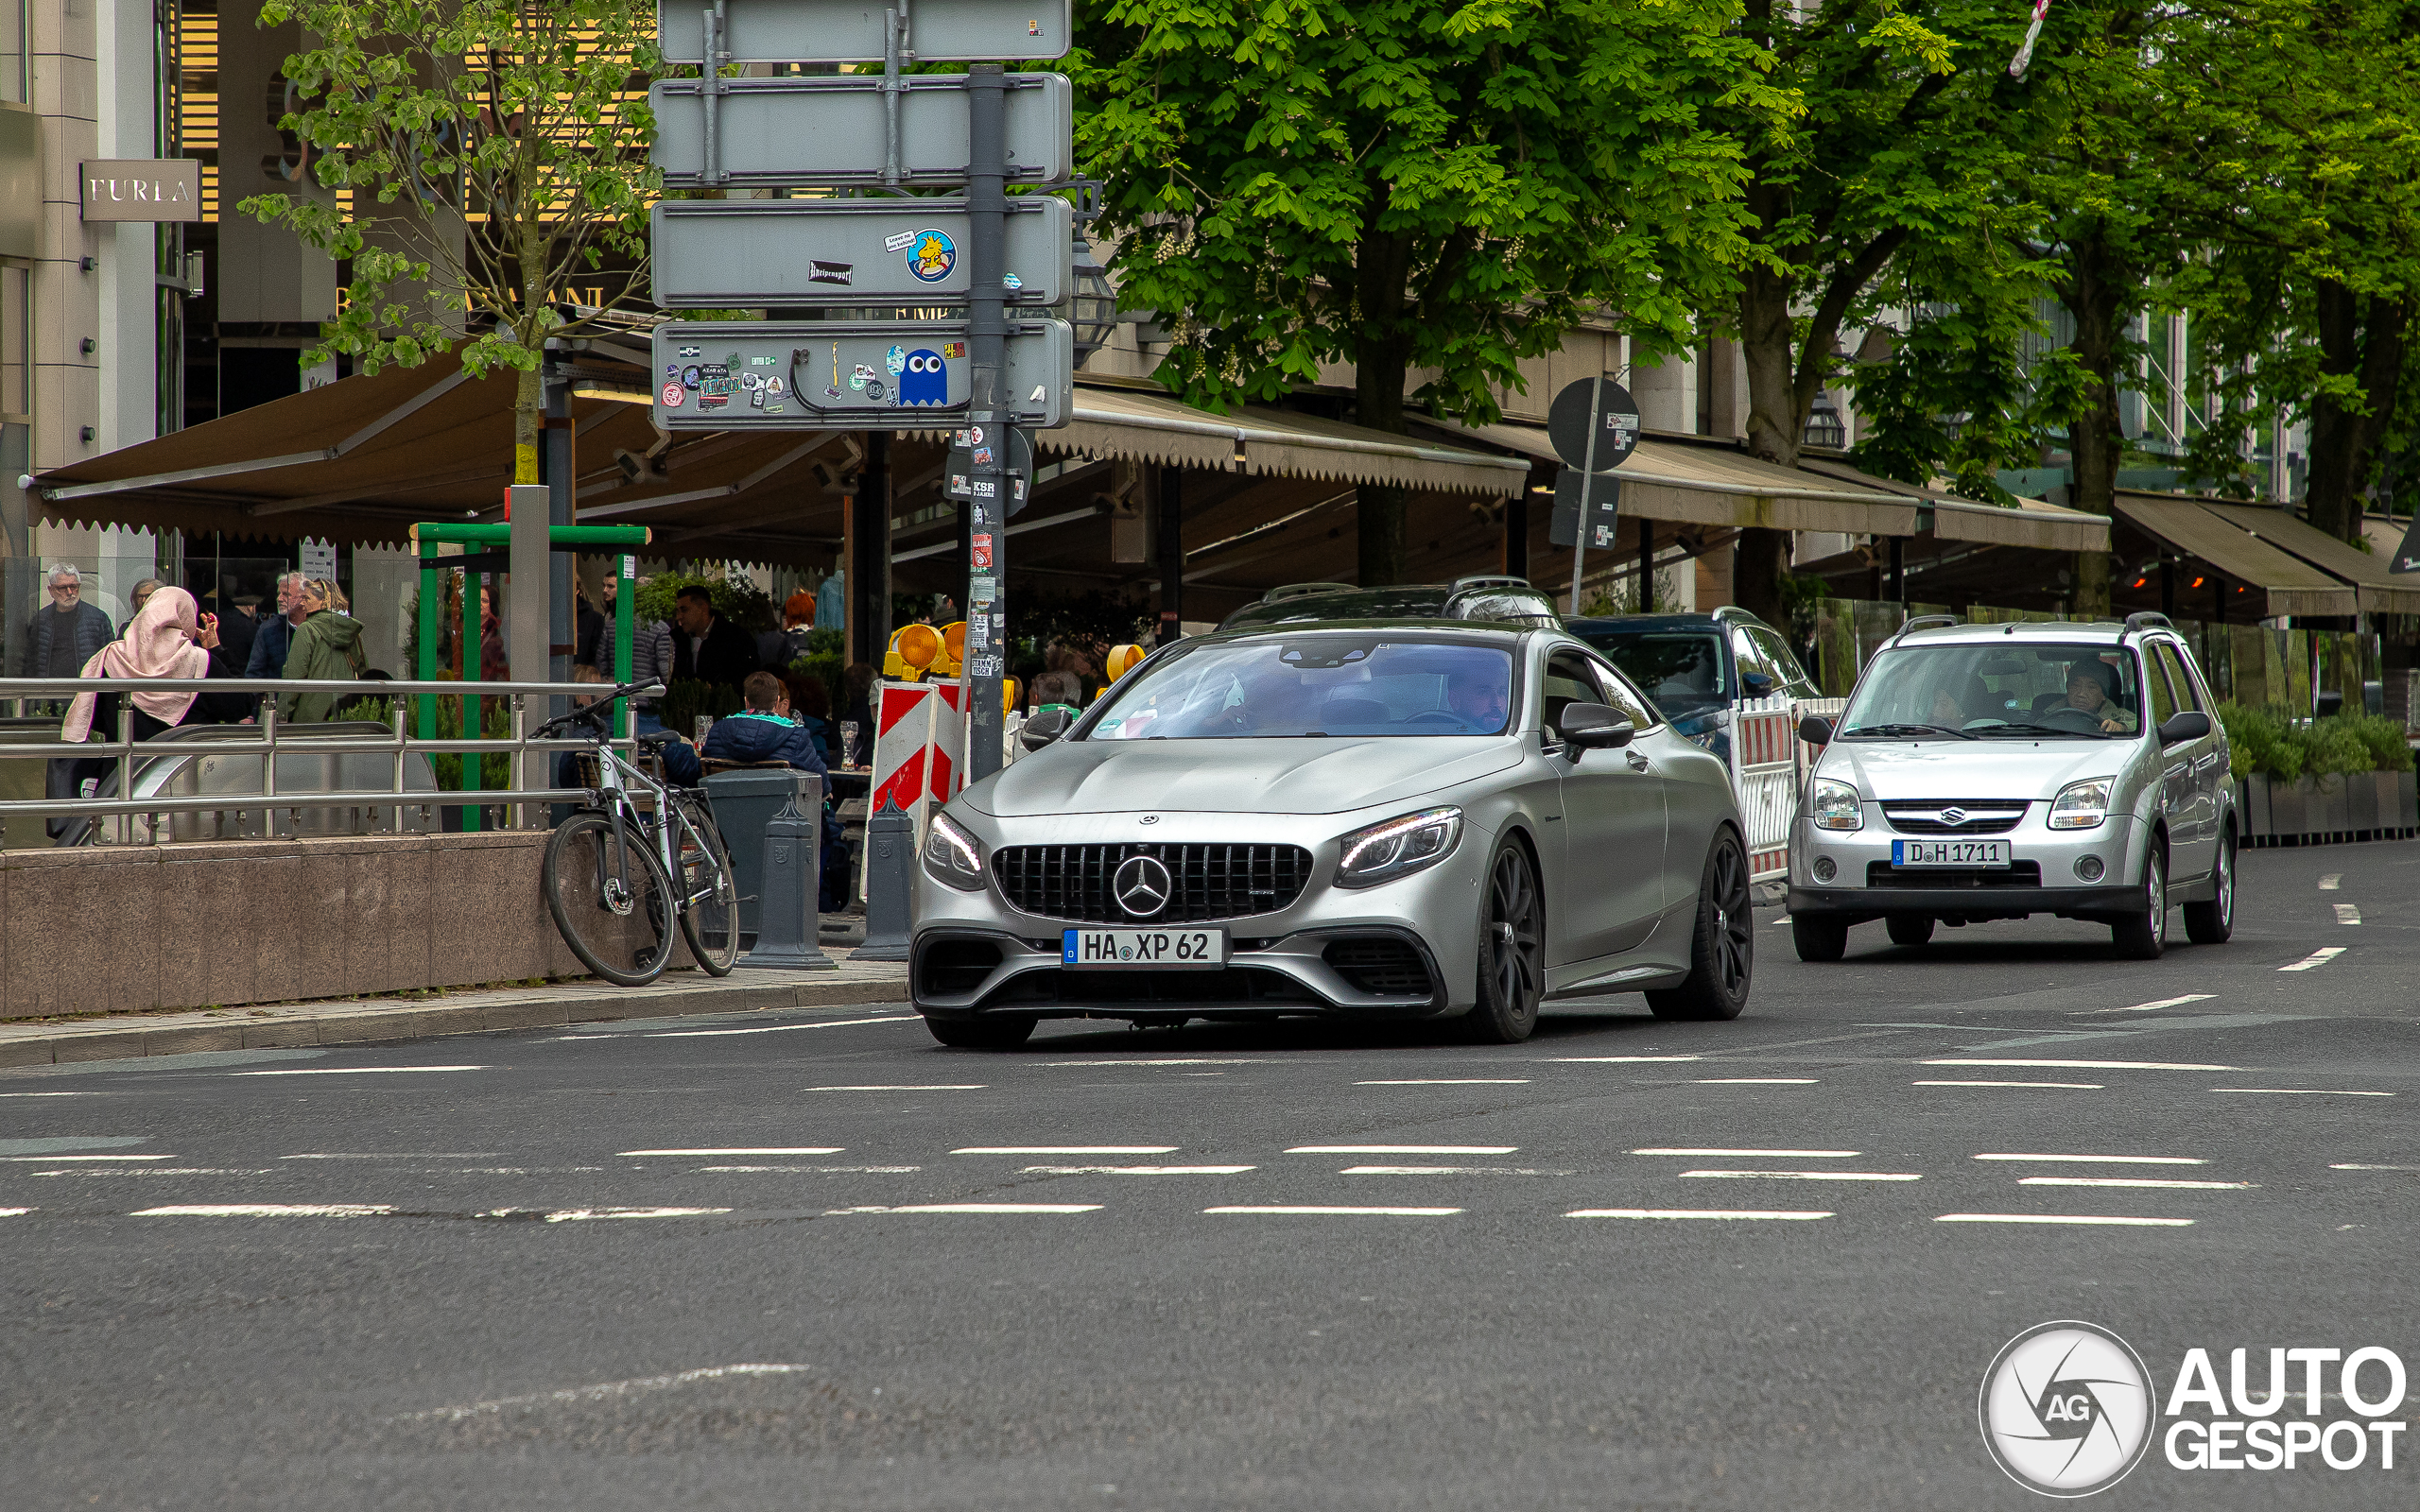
(186, 1034)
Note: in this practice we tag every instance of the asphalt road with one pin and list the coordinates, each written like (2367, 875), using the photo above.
(681, 1264)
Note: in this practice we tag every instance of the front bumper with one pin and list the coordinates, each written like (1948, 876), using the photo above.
(2045, 879)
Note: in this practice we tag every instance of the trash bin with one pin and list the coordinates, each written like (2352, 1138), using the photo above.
(744, 801)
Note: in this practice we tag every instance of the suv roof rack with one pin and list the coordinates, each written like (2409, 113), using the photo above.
(1920, 622)
(2142, 619)
(1286, 591)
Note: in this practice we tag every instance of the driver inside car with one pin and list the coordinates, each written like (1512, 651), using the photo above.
(1476, 694)
(2091, 689)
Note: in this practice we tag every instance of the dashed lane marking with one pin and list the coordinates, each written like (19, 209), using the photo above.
(1753, 1155)
(2375, 1167)
(268, 1209)
(1452, 1081)
(351, 1071)
(14, 1213)
(2105, 1159)
(1448, 1170)
(2095, 1220)
(54, 1159)
(775, 1028)
(1756, 1081)
(2080, 1065)
(1731, 1214)
(2302, 1092)
(2067, 1086)
(599, 1393)
(2132, 1182)
(807, 1169)
(748, 1150)
(403, 1155)
(1193, 1062)
(2348, 912)
(2315, 959)
(1137, 1170)
(1806, 1175)
(2330, 883)
(1066, 1149)
(1615, 1060)
(1344, 1212)
(585, 1215)
(2163, 1003)
(924, 1087)
(1402, 1149)
(975, 1207)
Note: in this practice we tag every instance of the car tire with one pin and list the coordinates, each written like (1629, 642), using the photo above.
(2143, 935)
(1909, 929)
(991, 1032)
(2213, 922)
(1722, 950)
(1818, 938)
(1512, 951)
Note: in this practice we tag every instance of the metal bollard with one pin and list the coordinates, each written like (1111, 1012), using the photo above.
(891, 850)
(787, 897)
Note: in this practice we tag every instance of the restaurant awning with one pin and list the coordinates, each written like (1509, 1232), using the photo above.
(1149, 425)
(2291, 584)
(2376, 589)
(2025, 523)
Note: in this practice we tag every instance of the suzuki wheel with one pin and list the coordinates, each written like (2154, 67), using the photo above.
(1909, 929)
(1818, 938)
(2213, 922)
(2143, 936)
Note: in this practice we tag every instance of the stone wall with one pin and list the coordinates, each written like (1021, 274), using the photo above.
(117, 930)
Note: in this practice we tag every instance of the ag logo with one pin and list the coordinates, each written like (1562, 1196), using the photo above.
(2067, 1409)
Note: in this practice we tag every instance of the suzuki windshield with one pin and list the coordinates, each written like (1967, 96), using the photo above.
(1981, 691)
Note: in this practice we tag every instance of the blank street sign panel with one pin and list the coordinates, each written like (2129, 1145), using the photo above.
(739, 375)
(829, 131)
(850, 31)
(715, 253)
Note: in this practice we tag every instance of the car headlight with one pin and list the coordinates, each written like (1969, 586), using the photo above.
(2080, 805)
(1398, 848)
(952, 855)
(1833, 805)
(1707, 730)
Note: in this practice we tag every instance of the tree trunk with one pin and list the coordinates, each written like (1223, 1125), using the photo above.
(2095, 292)
(529, 408)
(1775, 425)
(2363, 338)
(1382, 267)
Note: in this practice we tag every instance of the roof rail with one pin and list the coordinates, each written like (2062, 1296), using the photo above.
(1286, 591)
(1920, 622)
(1485, 580)
(2143, 618)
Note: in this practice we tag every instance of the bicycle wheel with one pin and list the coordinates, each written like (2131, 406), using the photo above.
(710, 911)
(609, 899)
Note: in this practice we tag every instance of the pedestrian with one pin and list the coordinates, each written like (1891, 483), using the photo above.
(169, 638)
(277, 635)
(812, 708)
(764, 732)
(239, 622)
(650, 661)
(61, 638)
(327, 647)
(136, 598)
(856, 682)
(588, 626)
(708, 648)
(495, 667)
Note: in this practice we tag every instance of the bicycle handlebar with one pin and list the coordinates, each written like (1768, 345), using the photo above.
(595, 715)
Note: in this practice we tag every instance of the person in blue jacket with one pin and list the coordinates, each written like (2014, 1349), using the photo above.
(763, 732)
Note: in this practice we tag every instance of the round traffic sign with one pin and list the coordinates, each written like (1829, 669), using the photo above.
(1608, 416)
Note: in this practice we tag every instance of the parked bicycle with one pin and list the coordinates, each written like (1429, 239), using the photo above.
(643, 852)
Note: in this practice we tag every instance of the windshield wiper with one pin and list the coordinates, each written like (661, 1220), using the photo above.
(2033, 731)
(1904, 732)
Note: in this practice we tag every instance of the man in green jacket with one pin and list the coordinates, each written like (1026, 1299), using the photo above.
(326, 645)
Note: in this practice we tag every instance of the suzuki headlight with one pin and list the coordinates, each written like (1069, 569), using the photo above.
(952, 855)
(1398, 848)
(2080, 805)
(1833, 805)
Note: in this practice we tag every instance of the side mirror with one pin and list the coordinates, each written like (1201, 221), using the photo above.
(2326, 704)
(1044, 728)
(1757, 685)
(1815, 730)
(1594, 727)
(2192, 724)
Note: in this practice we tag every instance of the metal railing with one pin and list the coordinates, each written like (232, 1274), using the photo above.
(524, 798)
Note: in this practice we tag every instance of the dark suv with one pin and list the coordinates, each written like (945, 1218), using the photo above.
(1695, 667)
(1500, 599)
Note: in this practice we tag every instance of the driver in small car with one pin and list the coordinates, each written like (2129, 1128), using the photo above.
(2092, 686)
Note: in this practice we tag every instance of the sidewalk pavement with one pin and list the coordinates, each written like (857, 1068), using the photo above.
(359, 1021)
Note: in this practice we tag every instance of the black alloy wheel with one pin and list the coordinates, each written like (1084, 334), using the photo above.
(1723, 954)
(2212, 922)
(1512, 951)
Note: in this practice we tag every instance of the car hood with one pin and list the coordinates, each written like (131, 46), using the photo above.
(1890, 771)
(1305, 776)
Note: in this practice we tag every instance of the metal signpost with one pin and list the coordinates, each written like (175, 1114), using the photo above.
(1594, 427)
(1000, 366)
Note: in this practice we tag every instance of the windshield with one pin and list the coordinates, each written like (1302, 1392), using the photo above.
(1986, 691)
(1682, 672)
(1346, 685)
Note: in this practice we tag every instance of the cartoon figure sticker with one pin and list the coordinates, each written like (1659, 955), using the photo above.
(673, 394)
(896, 360)
(774, 388)
(932, 257)
(689, 376)
(926, 382)
(874, 391)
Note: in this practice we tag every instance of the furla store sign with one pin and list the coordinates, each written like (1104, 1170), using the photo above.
(143, 189)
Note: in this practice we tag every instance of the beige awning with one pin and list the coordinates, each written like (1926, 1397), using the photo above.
(2377, 590)
(1714, 483)
(1145, 425)
(2025, 522)
(2292, 584)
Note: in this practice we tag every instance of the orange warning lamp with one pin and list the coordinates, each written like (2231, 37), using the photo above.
(1122, 660)
(953, 655)
(913, 650)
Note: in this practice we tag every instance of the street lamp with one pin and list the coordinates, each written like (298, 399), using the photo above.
(1092, 303)
(1823, 427)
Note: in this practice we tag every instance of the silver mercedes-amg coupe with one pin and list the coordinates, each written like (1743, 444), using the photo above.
(1379, 819)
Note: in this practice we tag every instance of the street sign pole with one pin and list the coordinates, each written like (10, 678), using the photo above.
(987, 160)
(1587, 494)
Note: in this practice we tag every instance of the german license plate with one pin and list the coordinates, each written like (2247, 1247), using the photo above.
(1949, 854)
(1183, 949)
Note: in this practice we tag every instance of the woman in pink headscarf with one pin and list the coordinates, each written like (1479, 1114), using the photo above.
(170, 638)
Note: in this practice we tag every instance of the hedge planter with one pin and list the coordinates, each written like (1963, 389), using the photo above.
(2322, 810)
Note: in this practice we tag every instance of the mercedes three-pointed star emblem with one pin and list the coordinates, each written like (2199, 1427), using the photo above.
(1141, 885)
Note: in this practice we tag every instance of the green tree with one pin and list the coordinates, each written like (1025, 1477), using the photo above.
(494, 151)
(1408, 187)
